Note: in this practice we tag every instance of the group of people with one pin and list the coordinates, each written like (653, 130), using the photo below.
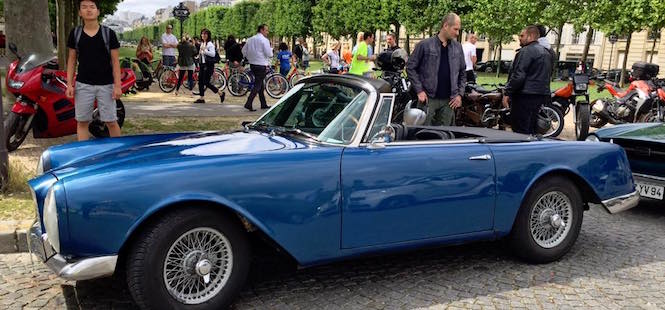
(440, 67)
(188, 54)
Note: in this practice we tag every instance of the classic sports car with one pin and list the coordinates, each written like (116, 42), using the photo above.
(644, 144)
(323, 176)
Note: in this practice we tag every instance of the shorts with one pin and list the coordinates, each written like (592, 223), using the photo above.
(84, 102)
(168, 61)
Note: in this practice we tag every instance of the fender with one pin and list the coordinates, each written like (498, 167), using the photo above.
(21, 107)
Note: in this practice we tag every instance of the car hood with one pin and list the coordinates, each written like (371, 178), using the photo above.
(186, 147)
(650, 132)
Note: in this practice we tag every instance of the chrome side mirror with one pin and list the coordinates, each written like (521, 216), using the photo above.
(386, 135)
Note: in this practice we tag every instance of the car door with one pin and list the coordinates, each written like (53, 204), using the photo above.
(406, 191)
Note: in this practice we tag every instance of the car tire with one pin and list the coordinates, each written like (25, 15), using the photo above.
(165, 250)
(536, 221)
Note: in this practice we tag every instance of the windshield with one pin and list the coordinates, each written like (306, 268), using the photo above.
(33, 61)
(327, 112)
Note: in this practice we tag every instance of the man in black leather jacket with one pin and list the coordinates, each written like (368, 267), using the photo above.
(528, 86)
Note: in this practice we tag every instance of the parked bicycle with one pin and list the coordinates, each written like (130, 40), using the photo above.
(168, 80)
(241, 82)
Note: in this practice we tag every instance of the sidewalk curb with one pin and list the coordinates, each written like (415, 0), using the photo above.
(13, 240)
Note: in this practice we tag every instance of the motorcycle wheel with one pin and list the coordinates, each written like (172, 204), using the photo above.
(596, 121)
(557, 119)
(98, 129)
(582, 122)
(15, 129)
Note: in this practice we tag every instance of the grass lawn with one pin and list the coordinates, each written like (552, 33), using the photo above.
(16, 202)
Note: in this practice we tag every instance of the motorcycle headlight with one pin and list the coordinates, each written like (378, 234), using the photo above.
(15, 84)
(592, 138)
(598, 106)
(581, 86)
(51, 220)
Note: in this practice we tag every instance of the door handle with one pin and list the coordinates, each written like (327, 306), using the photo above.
(481, 157)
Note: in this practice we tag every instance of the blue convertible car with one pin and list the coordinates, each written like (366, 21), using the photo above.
(323, 175)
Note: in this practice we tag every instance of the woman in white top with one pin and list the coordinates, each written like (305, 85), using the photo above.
(207, 58)
(332, 58)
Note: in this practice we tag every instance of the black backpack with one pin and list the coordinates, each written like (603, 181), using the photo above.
(106, 34)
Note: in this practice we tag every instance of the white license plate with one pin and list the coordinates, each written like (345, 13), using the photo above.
(650, 191)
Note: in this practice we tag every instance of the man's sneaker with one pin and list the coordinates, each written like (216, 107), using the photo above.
(200, 101)
(221, 97)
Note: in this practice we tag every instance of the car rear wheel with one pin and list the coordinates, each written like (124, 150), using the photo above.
(548, 222)
(189, 259)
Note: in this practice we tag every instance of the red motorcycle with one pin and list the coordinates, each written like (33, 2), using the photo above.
(41, 103)
(566, 99)
(635, 104)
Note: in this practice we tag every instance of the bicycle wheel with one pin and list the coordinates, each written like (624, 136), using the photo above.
(295, 78)
(276, 85)
(239, 84)
(168, 80)
(218, 79)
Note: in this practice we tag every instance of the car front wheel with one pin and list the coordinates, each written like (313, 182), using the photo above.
(548, 222)
(189, 259)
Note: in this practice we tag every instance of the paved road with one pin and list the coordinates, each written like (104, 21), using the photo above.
(618, 262)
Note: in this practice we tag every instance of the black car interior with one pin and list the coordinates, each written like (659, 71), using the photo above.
(436, 133)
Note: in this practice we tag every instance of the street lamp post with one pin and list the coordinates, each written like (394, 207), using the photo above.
(613, 39)
(181, 12)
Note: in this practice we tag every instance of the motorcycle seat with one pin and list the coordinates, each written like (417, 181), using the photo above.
(482, 90)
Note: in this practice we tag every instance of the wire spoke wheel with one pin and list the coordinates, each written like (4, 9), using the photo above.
(550, 219)
(198, 265)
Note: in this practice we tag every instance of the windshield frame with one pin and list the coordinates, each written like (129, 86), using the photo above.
(363, 121)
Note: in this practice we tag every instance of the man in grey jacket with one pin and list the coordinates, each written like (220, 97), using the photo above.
(437, 72)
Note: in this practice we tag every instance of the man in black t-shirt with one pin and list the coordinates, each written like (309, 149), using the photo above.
(98, 76)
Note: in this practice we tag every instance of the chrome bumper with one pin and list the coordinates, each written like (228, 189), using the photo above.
(622, 203)
(84, 269)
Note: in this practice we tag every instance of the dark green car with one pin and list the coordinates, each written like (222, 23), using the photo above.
(644, 144)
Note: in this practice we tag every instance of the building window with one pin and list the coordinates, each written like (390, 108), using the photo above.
(575, 39)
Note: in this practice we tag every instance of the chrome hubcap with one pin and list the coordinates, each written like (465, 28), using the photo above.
(549, 219)
(198, 265)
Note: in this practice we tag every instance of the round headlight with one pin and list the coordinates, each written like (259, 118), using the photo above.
(51, 220)
(598, 106)
(592, 138)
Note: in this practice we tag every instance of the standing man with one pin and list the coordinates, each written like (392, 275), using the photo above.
(470, 58)
(528, 86)
(96, 49)
(258, 52)
(297, 51)
(391, 42)
(437, 72)
(361, 58)
(169, 45)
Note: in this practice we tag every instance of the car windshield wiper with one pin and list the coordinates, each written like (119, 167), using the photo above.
(260, 127)
(302, 133)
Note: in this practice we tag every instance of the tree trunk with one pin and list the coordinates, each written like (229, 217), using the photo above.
(407, 44)
(397, 27)
(558, 42)
(625, 59)
(587, 44)
(653, 47)
(498, 63)
(67, 20)
(27, 25)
